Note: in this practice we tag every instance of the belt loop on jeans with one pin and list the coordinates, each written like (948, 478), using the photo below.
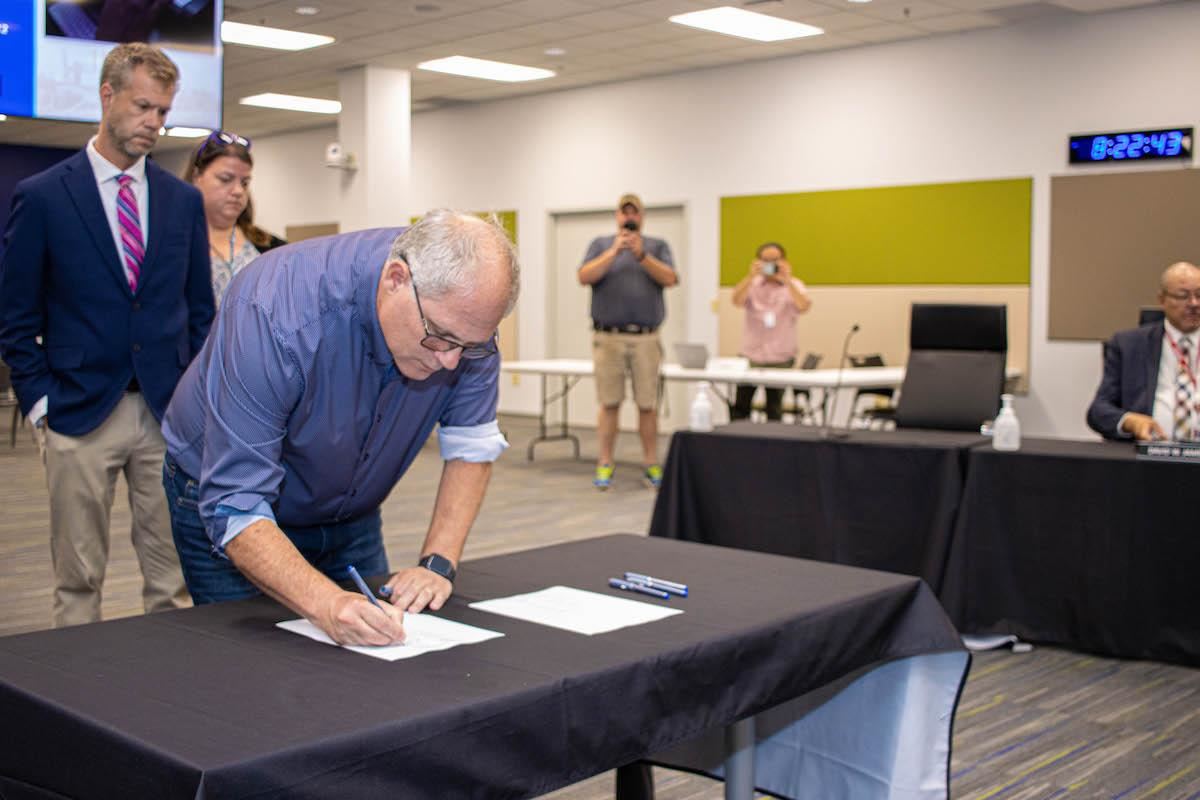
(622, 328)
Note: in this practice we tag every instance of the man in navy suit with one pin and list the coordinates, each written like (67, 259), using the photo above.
(1149, 387)
(105, 297)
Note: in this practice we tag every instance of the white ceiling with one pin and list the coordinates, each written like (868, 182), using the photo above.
(604, 40)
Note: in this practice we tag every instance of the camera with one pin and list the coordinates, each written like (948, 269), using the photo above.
(769, 268)
(630, 225)
(336, 157)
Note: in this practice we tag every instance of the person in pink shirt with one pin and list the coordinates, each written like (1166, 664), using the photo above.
(773, 299)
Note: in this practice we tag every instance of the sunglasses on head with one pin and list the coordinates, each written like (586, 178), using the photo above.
(218, 140)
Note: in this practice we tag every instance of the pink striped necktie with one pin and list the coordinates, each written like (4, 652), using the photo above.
(131, 231)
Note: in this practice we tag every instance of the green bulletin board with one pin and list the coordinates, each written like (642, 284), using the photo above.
(507, 219)
(943, 234)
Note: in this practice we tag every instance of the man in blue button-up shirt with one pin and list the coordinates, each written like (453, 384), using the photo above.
(330, 363)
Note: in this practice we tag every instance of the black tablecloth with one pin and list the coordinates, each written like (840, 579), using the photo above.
(1080, 544)
(876, 499)
(216, 702)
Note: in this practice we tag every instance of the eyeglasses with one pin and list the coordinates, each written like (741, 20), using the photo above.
(442, 344)
(1184, 296)
(219, 139)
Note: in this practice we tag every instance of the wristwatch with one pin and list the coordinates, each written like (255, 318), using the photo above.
(438, 565)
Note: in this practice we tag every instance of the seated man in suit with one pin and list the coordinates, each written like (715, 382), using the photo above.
(1149, 387)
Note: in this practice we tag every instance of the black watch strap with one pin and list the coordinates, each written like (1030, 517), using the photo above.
(439, 565)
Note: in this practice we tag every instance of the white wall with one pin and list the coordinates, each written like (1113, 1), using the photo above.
(992, 104)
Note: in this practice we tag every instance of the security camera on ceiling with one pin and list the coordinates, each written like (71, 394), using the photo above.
(336, 157)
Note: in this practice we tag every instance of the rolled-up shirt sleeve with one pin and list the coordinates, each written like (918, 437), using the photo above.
(468, 430)
(477, 443)
(236, 521)
(252, 385)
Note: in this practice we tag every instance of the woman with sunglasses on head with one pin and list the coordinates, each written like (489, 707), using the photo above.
(221, 169)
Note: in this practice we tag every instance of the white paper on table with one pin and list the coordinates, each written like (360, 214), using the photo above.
(425, 634)
(576, 610)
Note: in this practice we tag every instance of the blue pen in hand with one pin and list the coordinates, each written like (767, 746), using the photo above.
(362, 585)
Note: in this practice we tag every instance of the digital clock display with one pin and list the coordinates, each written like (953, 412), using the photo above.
(1092, 148)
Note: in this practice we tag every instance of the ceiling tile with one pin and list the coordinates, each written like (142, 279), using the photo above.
(952, 23)
(1090, 6)
(983, 5)
(358, 23)
(661, 9)
(236, 56)
(884, 33)
(904, 10)
(544, 9)
(591, 43)
(614, 20)
(845, 21)
(282, 14)
(801, 10)
(549, 31)
(237, 6)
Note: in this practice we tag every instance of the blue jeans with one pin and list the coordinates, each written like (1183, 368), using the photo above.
(212, 578)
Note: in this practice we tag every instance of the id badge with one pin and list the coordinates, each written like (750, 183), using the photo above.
(769, 319)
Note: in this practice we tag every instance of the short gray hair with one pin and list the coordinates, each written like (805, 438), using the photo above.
(123, 59)
(1178, 268)
(445, 249)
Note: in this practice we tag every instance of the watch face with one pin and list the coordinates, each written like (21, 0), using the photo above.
(438, 564)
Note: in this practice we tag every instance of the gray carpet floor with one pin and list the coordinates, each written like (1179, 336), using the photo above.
(1045, 724)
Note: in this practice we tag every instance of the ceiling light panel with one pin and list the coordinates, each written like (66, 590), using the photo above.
(746, 24)
(488, 70)
(291, 102)
(272, 38)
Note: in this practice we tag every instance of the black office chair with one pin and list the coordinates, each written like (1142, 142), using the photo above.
(955, 371)
(882, 405)
(1148, 314)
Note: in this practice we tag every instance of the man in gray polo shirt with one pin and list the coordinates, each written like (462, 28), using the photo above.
(627, 273)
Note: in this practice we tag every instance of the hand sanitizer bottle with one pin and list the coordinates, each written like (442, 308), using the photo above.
(700, 417)
(1006, 430)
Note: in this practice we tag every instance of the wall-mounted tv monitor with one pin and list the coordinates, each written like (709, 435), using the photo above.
(51, 52)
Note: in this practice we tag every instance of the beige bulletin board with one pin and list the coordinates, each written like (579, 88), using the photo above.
(1111, 236)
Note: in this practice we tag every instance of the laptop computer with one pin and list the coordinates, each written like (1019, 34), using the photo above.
(691, 356)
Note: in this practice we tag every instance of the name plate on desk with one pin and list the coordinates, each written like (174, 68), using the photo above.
(1179, 452)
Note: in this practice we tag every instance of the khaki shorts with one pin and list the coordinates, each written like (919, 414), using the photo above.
(615, 355)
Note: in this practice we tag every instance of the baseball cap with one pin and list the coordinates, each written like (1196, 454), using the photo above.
(631, 200)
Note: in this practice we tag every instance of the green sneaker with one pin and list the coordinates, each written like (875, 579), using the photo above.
(653, 476)
(603, 479)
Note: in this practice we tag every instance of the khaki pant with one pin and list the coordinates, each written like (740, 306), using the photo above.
(81, 475)
(615, 355)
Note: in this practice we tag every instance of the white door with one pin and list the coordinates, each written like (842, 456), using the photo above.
(569, 321)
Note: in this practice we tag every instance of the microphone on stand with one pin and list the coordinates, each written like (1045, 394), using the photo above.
(832, 404)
